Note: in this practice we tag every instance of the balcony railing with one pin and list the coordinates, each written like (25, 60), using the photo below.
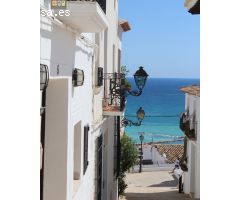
(185, 126)
(114, 98)
(102, 3)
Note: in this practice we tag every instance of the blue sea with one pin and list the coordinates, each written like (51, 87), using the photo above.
(162, 102)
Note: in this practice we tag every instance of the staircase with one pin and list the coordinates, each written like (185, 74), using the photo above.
(153, 167)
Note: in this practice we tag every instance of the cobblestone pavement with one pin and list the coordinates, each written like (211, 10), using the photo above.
(158, 185)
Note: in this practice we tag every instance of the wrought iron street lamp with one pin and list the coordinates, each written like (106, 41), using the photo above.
(44, 76)
(141, 137)
(140, 78)
(140, 116)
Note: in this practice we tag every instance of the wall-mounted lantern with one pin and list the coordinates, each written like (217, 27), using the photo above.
(44, 76)
(140, 116)
(140, 78)
(77, 77)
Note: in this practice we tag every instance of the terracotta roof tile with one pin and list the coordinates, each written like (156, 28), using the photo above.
(172, 151)
(125, 25)
(193, 89)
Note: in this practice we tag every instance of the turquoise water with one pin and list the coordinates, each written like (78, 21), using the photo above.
(162, 102)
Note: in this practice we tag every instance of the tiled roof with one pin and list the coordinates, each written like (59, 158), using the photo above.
(124, 24)
(193, 89)
(172, 151)
(193, 6)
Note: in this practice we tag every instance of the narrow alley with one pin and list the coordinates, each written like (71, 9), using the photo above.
(158, 185)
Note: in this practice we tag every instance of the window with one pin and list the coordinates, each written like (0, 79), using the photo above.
(119, 60)
(100, 76)
(85, 151)
(77, 157)
(113, 64)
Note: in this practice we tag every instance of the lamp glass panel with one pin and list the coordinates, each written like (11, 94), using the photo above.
(141, 137)
(140, 81)
(140, 114)
(78, 77)
(43, 77)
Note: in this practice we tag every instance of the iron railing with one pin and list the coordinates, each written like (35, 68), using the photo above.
(114, 91)
(185, 121)
(102, 3)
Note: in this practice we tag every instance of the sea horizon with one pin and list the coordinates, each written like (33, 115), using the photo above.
(151, 77)
(162, 102)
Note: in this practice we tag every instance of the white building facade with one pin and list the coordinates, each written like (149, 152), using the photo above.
(80, 125)
(191, 124)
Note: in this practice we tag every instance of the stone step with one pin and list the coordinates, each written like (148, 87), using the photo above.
(149, 168)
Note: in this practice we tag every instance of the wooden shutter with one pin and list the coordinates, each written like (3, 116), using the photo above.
(85, 151)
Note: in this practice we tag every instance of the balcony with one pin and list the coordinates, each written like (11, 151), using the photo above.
(114, 98)
(86, 15)
(185, 122)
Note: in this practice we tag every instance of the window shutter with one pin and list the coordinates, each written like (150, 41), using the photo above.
(85, 151)
(100, 76)
(115, 147)
(118, 145)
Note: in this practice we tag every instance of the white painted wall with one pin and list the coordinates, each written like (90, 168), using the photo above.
(58, 141)
(147, 152)
(110, 62)
(62, 51)
(68, 106)
(192, 177)
(157, 158)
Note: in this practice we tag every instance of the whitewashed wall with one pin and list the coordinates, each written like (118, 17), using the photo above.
(157, 158)
(147, 152)
(110, 66)
(192, 177)
(62, 52)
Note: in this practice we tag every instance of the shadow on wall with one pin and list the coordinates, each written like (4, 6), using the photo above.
(63, 47)
(62, 50)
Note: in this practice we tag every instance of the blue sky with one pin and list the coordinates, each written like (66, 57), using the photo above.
(165, 38)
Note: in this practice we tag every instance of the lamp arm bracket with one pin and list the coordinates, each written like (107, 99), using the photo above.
(135, 93)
